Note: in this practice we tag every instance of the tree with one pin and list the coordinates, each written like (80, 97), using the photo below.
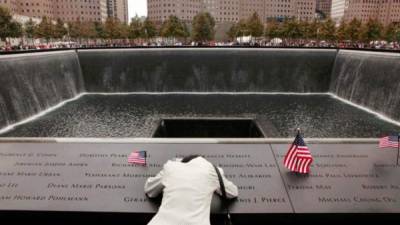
(327, 30)
(372, 30)
(15, 30)
(5, 20)
(291, 29)
(341, 31)
(312, 30)
(255, 26)
(8, 27)
(242, 28)
(112, 28)
(82, 30)
(149, 30)
(45, 29)
(87, 30)
(353, 31)
(100, 30)
(203, 27)
(392, 32)
(135, 28)
(232, 32)
(74, 29)
(173, 27)
(303, 26)
(29, 29)
(59, 29)
(124, 31)
(273, 30)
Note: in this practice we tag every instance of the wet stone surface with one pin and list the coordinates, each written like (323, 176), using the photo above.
(138, 115)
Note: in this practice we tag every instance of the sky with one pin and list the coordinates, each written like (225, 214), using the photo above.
(138, 7)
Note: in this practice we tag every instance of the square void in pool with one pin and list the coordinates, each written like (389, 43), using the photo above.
(208, 128)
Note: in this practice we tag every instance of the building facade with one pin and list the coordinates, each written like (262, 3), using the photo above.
(386, 11)
(118, 9)
(12, 5)
(337, 10)
(324, 7)
(67, 10)
(230, 10)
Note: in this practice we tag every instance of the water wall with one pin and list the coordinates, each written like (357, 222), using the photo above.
(207, 70)
(31, 83)
(370, 79)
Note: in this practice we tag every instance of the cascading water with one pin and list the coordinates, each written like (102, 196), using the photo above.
(38, 83)
(207, 70)
(370, 79)
(31, 83)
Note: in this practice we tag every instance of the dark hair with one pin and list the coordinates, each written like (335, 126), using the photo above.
(189, 158)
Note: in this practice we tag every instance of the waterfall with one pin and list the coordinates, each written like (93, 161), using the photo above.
(31, 83)
(370, 79)
(207, 70)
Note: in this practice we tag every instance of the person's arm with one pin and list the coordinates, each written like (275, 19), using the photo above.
(230, 188)
(153, 186)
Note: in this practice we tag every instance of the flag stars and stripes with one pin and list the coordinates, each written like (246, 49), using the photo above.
(298, 158)
(389, 142)
(137, 157)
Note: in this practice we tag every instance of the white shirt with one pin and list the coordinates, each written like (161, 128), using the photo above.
(188, 189)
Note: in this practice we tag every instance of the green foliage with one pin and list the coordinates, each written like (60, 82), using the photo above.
(30, 28)
(273, 30)
(203, 27)
(5, 21)
(113, 28)
(327, 30)
(87, 30)
(255, 26)
(312, 30)
(149, 30)
(174, 27)
(135, 28)
(242, 28)
(124, 31)
(392, 32)
(45, 29)
(8, 27)
(291, 29)
(372, 30)
(60, 30)
(232, 32)
(100, 30)
(15, 30)
(74, 29)
(353, 31)
(79, 30)
(341, 34)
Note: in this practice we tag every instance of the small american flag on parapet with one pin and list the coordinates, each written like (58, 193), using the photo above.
(298, 158)
(389, 142)
(138, 157)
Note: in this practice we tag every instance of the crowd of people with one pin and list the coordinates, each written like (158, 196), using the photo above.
(259, 43)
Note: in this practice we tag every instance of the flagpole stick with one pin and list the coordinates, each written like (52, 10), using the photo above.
(398, 149)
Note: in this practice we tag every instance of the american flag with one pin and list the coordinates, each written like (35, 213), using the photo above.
(138, 157)
(389, 142)
(298, 158)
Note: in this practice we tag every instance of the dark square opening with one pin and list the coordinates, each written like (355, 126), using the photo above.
(208, 128)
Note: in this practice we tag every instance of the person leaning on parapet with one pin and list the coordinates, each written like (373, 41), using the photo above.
(188, 186)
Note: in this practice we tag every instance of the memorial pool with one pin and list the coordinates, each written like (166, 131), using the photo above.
(138, 115)
(69, 119)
